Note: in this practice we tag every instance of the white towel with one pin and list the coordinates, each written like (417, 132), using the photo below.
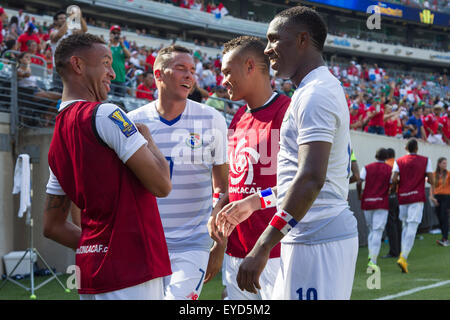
(22, 182)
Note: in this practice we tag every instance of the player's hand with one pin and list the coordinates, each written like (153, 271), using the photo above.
(250, 270)
(215, 261)
(236, 212)
(214, 232)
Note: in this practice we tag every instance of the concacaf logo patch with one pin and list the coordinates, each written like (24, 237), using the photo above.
(194, 141)
(121, 120)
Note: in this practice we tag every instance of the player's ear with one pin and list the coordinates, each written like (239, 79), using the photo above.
(250, 65)
(77, 64)
(302, 39)
(157, 74)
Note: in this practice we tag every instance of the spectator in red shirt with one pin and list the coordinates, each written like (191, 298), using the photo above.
(33, 49)
(375, 115)
(3, 20)
(146, 89)
(150, 61)
(26, 36)
(356, 121)
(445, 123)
(392, 122)
(431, 121)
(219, 77)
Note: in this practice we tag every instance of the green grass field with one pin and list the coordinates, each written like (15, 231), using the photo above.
(429, 264)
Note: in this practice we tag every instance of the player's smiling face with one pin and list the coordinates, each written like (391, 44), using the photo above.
(281, 48)
(234, 76)
(178, 78)
(99, 71)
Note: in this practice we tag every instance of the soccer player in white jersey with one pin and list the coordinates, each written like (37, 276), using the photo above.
(192, 136)
(318, 231)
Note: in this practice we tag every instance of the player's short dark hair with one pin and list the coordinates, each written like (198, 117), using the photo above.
(56, 15)
(249, 44)
(381, 154)
(165, 55)
(301, 16)
(71, 45)
(412, 145)
(391, 153)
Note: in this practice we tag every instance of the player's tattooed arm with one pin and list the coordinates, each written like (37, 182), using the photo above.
(57, 202)
(56, 225)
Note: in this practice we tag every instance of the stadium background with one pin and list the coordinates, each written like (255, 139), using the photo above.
(413, 43)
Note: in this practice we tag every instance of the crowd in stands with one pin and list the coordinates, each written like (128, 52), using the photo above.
(435, 5)
(396, 105)
(213, 7)
(380, 101)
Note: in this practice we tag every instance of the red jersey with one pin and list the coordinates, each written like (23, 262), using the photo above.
(355, 118)
(253, 145)
(445, 121)
(377, 119)
(391, 127)
(431, 121)
(412, 171)
(37, 60)
(151, 60)
(122, 241)
(143, 92)
(24, 38)
(376, 189)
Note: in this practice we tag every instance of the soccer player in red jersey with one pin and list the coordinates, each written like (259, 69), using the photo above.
(375, 201)
(253, 145)
(111, 169)
(409, 173)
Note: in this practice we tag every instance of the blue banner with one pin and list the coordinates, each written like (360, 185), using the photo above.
(424, 16)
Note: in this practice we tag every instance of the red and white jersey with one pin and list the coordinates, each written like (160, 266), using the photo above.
(377, 176)
(122, 241)
(431, 121)
(253, 145)
(445, 121)
(412, 170)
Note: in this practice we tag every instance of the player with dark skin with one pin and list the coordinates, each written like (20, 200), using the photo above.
(292, 56)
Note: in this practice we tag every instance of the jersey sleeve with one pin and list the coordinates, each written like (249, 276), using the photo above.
(363, 173)
(117, 131)
(53, 186)
(317, 119)
(220, 139)
(429, 168)
(395, 167)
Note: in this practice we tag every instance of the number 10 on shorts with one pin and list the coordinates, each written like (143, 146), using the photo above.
(311, 294)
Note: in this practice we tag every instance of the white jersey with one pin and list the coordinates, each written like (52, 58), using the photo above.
(192, 143)
(318, 112)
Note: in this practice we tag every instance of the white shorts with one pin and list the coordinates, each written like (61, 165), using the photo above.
(376, 219)
(188, 273)
(323, 271)
(150, 290)
(411, 212)
(266, 280)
